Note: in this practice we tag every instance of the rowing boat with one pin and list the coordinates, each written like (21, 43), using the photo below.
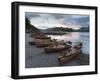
(42, 37)
(56, 47)
(44, 43)
(68, 55)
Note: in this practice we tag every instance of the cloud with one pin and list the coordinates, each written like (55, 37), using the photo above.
(46, 20)
(84, 21)
(57, 16)
(30, 15)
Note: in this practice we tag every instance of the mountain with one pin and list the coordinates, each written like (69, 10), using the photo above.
(60, 29)
(30, 27)
(84, 29)
(55, 29)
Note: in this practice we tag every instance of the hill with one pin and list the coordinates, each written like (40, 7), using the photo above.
(30, 27)
(84, 29)
(60, 29)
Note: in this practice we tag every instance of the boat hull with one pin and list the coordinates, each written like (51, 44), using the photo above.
(31, 43)
(42, 37)
(64, 59)
(50, 49)
(44, 44)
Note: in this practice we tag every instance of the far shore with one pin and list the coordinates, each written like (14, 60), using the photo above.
(57, 33)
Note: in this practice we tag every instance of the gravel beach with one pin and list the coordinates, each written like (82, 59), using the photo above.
(36, 57)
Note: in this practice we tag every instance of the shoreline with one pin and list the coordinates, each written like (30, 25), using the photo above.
(36, 57)
(83, 57)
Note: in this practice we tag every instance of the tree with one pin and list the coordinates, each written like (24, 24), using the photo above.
(29, 26)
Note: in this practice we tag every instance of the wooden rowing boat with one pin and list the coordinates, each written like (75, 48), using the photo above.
(37, 34)
(56, 47)
(44, 43)
(68, 55)
(42, 37)
(41, 40)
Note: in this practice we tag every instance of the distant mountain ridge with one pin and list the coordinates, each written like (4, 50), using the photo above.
(82, 29)
(59, 29)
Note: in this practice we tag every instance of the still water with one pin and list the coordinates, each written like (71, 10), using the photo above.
(75, 37)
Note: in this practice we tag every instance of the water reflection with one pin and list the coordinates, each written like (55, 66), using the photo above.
(75, 37)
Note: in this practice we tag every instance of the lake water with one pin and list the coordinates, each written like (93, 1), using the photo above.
(75, 37)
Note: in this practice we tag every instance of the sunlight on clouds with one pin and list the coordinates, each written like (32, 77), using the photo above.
(46, 20)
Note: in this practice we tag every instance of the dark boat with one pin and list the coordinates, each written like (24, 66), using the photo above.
(31, 43)
(42, 37)
(70, 54)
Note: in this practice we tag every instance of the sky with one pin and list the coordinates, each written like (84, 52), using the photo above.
(49, 20)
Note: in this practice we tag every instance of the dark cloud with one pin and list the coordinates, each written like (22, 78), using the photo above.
(57, 16)
(30, 15)
(55, 19)
(61, 16)
(80, 20)
(83, 21)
